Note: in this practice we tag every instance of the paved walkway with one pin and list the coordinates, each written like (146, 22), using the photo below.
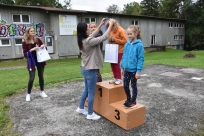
(173, 100)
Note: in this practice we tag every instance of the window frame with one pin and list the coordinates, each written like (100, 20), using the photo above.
(7, 45)
(18, 39)
(176, 25)
(180, 37)
(171, 25)
(176, 37)
(181, 25)
(90, 18)
(133, 22)
(21, 19)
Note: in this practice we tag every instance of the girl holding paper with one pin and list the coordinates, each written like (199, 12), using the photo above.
(117, 36)
(92, 60)
(30, 45)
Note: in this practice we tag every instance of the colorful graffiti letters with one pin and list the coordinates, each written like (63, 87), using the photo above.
(19, 29)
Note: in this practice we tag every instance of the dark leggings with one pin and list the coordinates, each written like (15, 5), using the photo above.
(130, 76)
(40, 69)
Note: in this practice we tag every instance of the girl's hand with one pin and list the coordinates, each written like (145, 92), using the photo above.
(122, 72)
(42, 46)
(34, 49)
(103, 21)
(111, 21)
(137, 76)
(110, 39)
(113, 39)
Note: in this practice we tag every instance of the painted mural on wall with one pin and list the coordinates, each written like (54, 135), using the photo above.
(13, 30)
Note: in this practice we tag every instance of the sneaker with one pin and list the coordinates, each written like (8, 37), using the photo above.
(118, 81)
(27, 97)
(42, 94)
(112, 81)
(93, 116)
(131, 105)
(126, 102)
(82, 111)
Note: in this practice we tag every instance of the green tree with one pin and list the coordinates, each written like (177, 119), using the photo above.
(10, 2)
(171, 8)
(67, 5)
(132, 8)
(45, 3)
(150, 7)
(113, 9)
(194, 13)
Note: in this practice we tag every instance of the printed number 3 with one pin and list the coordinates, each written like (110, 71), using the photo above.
(118, 114)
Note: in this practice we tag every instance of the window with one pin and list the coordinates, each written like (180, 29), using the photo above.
(18, 42)
(176, 37)
(89, 20)
(135, 22)
(21, 19)
(176, 25)
(170, 25)
(180, 37)
(181, 25)
(153, 40)
(5, 42)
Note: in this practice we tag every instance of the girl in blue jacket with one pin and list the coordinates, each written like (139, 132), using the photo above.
(132, 64)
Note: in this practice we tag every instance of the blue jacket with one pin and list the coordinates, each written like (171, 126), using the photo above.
(133, 56)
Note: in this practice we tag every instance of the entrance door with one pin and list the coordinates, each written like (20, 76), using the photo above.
(49, 44)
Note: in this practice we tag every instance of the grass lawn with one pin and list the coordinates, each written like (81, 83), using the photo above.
(14, 81)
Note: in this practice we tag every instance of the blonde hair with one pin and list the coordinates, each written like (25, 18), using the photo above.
(115, 23)
(27, 37)
(136, 29)
(93, 23)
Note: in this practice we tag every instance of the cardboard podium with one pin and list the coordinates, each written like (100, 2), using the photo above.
(108, 102)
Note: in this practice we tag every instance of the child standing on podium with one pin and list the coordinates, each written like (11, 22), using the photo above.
(93, 27)
(132, 64)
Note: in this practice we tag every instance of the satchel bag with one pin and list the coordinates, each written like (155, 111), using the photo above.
(99, 77)
(42, 55)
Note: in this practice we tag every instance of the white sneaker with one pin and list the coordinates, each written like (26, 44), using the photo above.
(112, 81)
(82, 111)
(118, 81)
(93, 116)
(42, 94)
(27, 97)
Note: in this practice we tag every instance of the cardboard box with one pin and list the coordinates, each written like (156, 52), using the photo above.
(108, 102)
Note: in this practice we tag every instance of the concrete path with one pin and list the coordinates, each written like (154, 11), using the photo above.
(174, 103)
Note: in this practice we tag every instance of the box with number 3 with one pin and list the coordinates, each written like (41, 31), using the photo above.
(108, 102)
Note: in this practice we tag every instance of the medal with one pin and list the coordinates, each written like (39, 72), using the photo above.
(30, 60)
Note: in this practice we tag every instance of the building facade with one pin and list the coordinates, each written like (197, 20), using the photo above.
(57, 29)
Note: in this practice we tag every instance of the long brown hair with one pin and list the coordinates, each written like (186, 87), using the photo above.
(81, 34)
(27, 37)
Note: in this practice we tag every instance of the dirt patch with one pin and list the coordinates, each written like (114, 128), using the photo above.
(173, 106)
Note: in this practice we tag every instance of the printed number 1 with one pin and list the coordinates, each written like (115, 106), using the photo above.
(100, 90)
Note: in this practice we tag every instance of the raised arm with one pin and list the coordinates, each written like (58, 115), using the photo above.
(95, 41)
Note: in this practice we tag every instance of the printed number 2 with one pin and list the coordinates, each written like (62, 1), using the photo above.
(118, 114)
(100, 90)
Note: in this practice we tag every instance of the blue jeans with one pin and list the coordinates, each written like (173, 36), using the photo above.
(89, 89)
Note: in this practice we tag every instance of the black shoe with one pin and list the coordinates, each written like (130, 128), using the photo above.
(126, 102)
(131, 105)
